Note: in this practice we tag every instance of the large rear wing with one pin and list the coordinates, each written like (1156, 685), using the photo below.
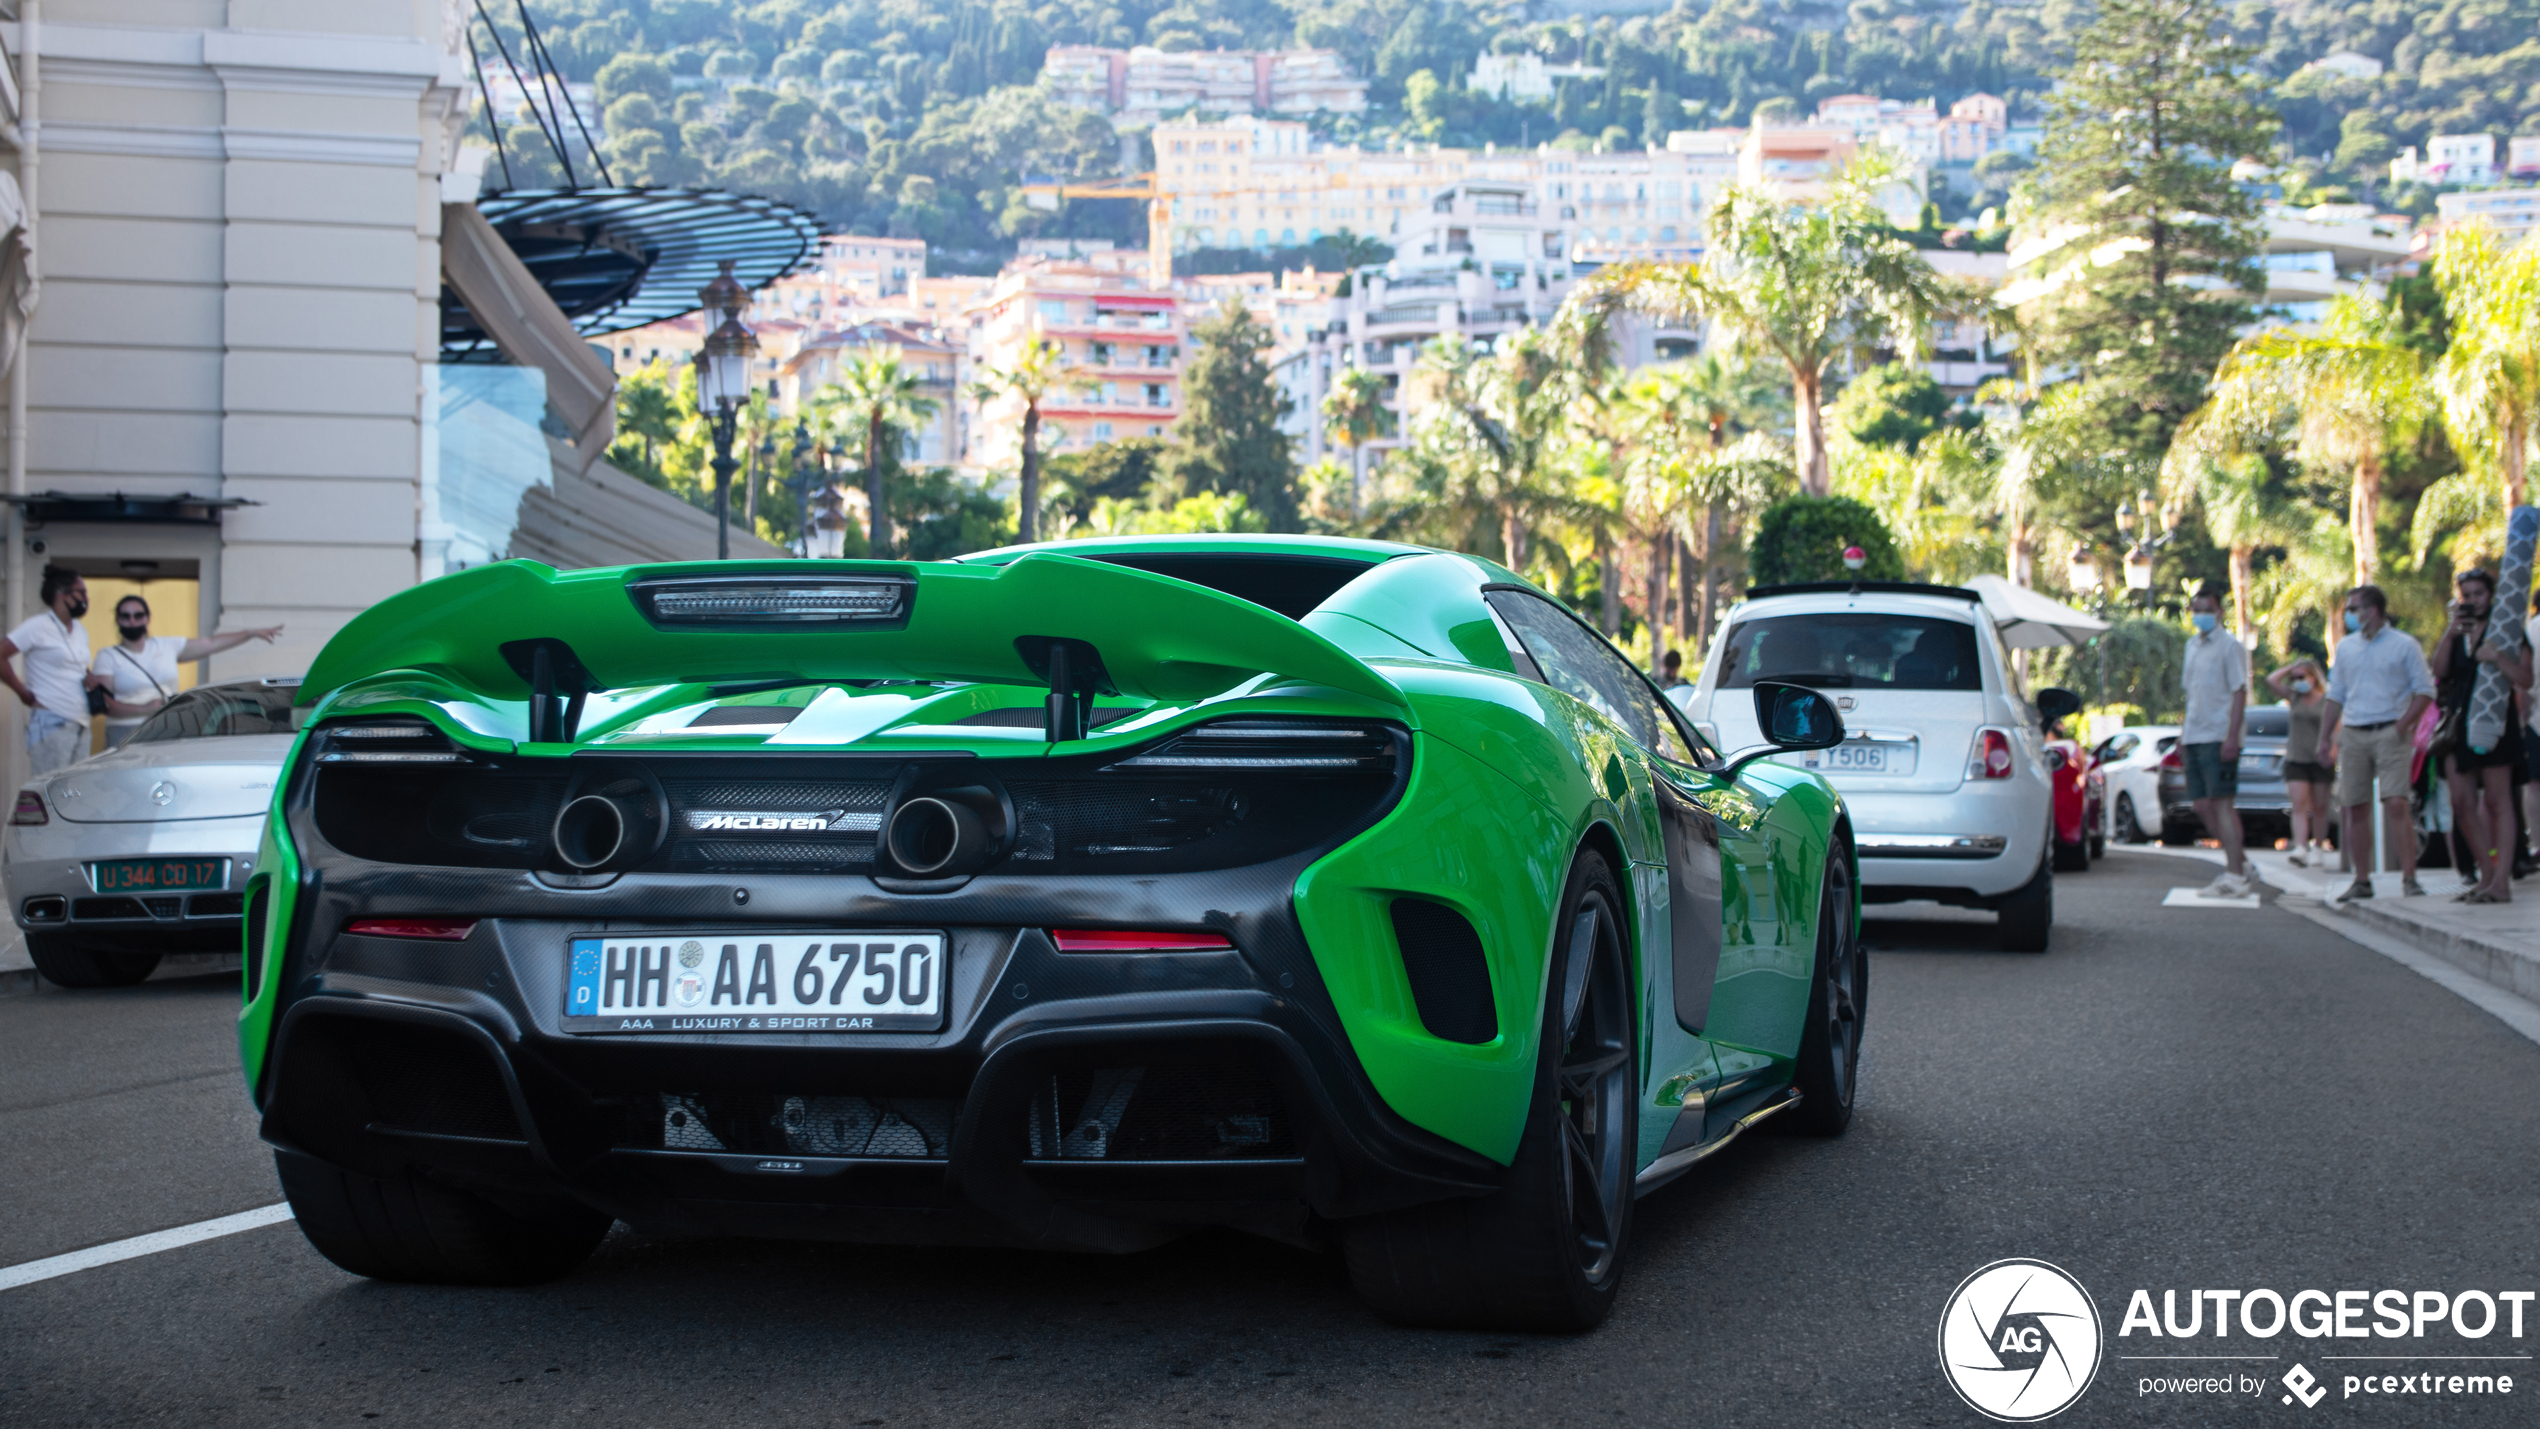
(1079, 627)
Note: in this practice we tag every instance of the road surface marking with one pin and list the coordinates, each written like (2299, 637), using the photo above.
(11, 1277)
(2191, 898)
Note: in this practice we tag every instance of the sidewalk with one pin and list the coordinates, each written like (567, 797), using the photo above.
(2498, 943)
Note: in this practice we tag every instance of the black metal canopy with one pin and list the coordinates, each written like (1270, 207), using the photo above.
(618, 258)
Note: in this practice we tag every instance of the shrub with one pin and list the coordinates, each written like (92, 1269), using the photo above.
(1803, 538)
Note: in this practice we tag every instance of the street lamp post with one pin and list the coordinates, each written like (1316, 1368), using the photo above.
(803, 465)
(723, 388)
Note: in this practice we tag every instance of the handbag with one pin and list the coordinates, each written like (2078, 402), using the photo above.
(97, 698)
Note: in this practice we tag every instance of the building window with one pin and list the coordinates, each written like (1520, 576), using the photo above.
(1159, 357)
(1053, 310)
(1159, 395)
(1102, 431)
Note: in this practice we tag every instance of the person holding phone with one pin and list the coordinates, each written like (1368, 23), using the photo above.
(138, 672)
(2303, 687)
(2481, 783)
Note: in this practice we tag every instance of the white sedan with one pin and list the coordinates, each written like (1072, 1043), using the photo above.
(2131, 760)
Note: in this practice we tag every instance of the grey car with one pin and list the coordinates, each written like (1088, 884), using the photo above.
(143, 851)
(2266, 808)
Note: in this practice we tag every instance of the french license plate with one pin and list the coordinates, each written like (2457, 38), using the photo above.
(1854, 758)
(851, 981)
(158, 875)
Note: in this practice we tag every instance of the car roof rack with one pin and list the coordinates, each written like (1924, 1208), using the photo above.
(1950, 592)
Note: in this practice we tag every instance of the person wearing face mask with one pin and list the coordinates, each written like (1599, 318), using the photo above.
(2304, 689)
(2481, 783)
(2378, 687)
(140, 669)
(2216, 679)
(55, 689)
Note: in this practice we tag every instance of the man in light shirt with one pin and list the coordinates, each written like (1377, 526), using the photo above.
(2378, 688)
(55, 688)
(2216, 678)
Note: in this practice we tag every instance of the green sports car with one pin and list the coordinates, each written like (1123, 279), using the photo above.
(1066, 896)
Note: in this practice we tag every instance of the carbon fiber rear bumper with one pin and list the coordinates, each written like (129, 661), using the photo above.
(581, 1113)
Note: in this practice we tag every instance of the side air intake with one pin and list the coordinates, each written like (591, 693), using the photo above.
(1450, 978)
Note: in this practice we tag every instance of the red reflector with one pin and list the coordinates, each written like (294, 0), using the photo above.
(449, 929)
(1114, 940)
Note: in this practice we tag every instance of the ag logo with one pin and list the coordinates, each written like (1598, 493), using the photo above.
(2019, 1341)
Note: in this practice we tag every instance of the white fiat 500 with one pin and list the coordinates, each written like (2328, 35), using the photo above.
(1943, 766)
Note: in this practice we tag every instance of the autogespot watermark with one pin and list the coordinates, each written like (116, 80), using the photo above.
(2020, 1340)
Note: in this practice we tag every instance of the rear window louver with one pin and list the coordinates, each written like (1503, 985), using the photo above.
(388, 742)
(1273, 744)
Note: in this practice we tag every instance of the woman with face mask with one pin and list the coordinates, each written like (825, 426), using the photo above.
(138, 672)
(2304, 688)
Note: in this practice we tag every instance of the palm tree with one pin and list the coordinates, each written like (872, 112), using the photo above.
(1486, 426)
(2489, 378)
(1354, 412)
(1806, 284)
(880, 392)
(2350, 387)
(1038, 369)
(1724, 396)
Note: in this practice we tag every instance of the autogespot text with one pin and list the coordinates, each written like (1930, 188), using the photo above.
(2448, 1342)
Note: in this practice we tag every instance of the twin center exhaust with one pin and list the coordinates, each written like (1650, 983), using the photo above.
(949, 833)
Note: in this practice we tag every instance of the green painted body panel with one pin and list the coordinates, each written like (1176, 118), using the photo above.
(277, 876)
(1509, 778)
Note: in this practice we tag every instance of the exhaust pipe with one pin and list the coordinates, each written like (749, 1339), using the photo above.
(589, 833)
(936, 838)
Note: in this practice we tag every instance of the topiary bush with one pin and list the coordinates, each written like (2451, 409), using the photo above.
(1802, 539)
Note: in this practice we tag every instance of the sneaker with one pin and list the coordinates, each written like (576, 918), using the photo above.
(2229, 885)
(2360, 888)
(2298, 859)
(2410, 888)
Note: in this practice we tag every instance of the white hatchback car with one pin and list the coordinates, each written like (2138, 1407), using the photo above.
(2131, 760)
(1944, 764)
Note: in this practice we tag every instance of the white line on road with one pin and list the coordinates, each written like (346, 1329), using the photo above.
(12, 1277)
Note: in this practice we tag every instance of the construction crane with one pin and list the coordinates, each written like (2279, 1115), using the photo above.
(1048, 197)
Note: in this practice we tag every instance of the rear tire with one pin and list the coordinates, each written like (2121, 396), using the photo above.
(1829, 1069)
(1545, 1251)
(2027, 917)
(2072, 857)
(65, 964)
(414, 1229)
(2129, 828)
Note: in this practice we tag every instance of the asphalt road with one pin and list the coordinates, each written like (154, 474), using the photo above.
(2170, 1098)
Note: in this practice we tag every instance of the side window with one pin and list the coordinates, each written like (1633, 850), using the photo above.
(2010, 668)
(1577, 662)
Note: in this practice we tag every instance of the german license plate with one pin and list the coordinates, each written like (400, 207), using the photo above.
(852, 981)
(158, 875)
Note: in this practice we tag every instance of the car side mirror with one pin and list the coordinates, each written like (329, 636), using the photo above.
(2054, 704)
(1792, 717)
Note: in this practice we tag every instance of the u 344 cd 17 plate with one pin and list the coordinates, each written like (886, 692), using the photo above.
(847, 980)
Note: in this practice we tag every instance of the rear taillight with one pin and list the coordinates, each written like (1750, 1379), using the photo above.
(442, 929)
(746, 602)
(1116, 940)
(399, 742)
(2172, 760)
(1990, 756)
(30, 809)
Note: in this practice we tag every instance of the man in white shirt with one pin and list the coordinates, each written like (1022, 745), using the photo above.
(55, 688)
(2378, 688)
(140, 669)
(2216, 679)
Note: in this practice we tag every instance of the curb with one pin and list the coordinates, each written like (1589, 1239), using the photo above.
(2513, 969)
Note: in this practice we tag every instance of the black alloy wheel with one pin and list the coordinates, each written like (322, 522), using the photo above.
(1545, 1251)
(1829, 1071)
(2129, 827)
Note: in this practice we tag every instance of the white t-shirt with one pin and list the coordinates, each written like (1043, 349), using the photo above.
(133, 671)
(2216, 666)
(56, 663)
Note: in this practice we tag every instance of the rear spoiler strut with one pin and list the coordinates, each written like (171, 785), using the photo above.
(1082, 628)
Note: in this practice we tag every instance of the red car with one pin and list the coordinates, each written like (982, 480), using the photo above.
(2080, 788)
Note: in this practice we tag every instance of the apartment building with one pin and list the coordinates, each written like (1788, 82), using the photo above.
(2311, 256)
(1143, 84)
(2513, 213)
(1122, 344)
(936, 358)
(1524, 76)
(2450, 159)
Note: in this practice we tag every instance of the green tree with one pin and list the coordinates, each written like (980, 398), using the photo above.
(648, 418)
(633, 72)
(2489, 377)
(1806, 284)
(1803, 539)
(2157, 239)
(1354, 413)
(1231, 411)
(1892, 405)
(882, 395)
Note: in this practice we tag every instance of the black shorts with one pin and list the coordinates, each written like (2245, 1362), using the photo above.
(2303, 771)
(2506, 755)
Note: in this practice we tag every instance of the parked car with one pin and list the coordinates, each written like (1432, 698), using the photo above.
(2129, 762)
(2266, 808)
(146, 849)
(1944, 767)
(2078, 788)
(1068, 897)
